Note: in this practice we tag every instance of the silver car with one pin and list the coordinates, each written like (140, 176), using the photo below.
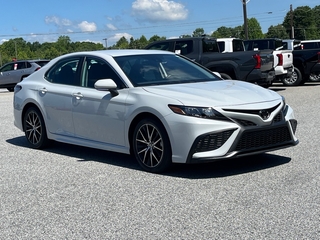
(13, 72)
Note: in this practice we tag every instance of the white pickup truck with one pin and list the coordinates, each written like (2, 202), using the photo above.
(283, 59)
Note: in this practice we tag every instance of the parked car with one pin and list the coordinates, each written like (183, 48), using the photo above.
(230, 45)
(250, 66)
(13, 72)
(306, 60)
(283, 58)
(159, 106)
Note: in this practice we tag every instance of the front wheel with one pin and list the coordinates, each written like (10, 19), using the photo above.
(34, 128)
(295, 78)
(151, 146)
(314, 77)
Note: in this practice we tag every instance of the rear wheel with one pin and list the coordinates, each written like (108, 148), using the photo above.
(10, 89)
(151, 146)
(34, 128)
(295, 78)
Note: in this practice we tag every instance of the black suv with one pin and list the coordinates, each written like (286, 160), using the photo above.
(13, 72)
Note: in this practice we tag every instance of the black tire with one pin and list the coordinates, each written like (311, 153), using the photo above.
(10, 89)
(225, 76)
(314, 77)
(151, 146)
(294, 80)
(34, 128)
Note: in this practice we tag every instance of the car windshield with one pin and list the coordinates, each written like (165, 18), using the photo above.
(161, 69)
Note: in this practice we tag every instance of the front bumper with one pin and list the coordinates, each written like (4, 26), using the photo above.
(210, 140)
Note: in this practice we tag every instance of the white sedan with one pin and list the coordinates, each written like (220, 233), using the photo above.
(161, 107)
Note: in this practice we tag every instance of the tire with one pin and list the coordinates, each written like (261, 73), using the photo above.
(294, 80)
(34, 128)
(314, 77)
(225, 76)
(151, 146)
(10, 89)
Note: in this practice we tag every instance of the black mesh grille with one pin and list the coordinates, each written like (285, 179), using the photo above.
(212, 141)
(263, 139)
(278, 117)
(245, 123)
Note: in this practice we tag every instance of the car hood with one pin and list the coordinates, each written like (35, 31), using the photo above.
(216, 93)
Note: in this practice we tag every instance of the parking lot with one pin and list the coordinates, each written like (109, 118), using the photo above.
(71, 192)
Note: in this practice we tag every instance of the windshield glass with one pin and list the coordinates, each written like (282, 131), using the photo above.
(160, 69)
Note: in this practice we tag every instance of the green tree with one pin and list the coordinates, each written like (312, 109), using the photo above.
(198, 32)
(155, 38)
(223, 32)
(278, 31)
(254, 29)
(304, 23)
(122, 43)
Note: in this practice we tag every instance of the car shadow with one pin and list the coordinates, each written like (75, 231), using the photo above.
(218, 169)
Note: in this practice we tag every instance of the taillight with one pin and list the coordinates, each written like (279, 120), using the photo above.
(280, 58)
(37, 68)
(257, 57)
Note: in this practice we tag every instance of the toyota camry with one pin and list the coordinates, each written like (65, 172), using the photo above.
(158, 106)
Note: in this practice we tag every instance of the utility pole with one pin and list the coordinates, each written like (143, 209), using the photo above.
(291, 22)
(106, 40)
(245, 19)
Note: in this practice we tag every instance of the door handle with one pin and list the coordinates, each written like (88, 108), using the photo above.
(43, 91)
(78, 95)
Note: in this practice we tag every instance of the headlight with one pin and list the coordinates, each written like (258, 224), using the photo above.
(200, 112)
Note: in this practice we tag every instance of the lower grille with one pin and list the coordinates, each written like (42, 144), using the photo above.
(212, 141)
(263, 139)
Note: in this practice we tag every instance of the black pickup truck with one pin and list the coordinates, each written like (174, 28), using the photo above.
(306, 62)
(250, 66)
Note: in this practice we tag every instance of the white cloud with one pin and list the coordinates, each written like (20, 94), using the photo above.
(111, 26)
(159, 10)
(58, 21)
(87, 27)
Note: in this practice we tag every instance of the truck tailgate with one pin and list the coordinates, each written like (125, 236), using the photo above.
(287, 58)
(267, 60)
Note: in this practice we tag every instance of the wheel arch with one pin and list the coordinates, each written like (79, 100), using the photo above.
(26, 107)
(137, 119)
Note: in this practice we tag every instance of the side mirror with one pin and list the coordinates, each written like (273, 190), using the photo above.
(106, 85)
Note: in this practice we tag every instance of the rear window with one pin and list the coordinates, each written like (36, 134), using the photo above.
(41, 63)
(210, 46)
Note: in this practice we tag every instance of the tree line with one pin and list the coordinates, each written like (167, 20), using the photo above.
(305, 21)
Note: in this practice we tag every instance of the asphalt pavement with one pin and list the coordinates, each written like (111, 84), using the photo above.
(71, 192)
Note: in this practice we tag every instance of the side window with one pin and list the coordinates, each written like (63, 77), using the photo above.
(210, 46)
(237, 45)
(96, 69)
(21, 65)
(183, 47)
(222, 46)
(64, 72)
(160, 46)
(8, 67)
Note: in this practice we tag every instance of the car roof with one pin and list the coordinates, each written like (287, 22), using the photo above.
(118, 53)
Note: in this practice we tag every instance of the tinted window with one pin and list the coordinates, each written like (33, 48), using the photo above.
(160, 46)
(146, 70)
(64, 72)
(183, 47)
(7, 67)
(237, 45)
(222, 46)
(96, 69)
(210, 46)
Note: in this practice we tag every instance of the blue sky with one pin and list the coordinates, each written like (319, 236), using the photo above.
(97, 20)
